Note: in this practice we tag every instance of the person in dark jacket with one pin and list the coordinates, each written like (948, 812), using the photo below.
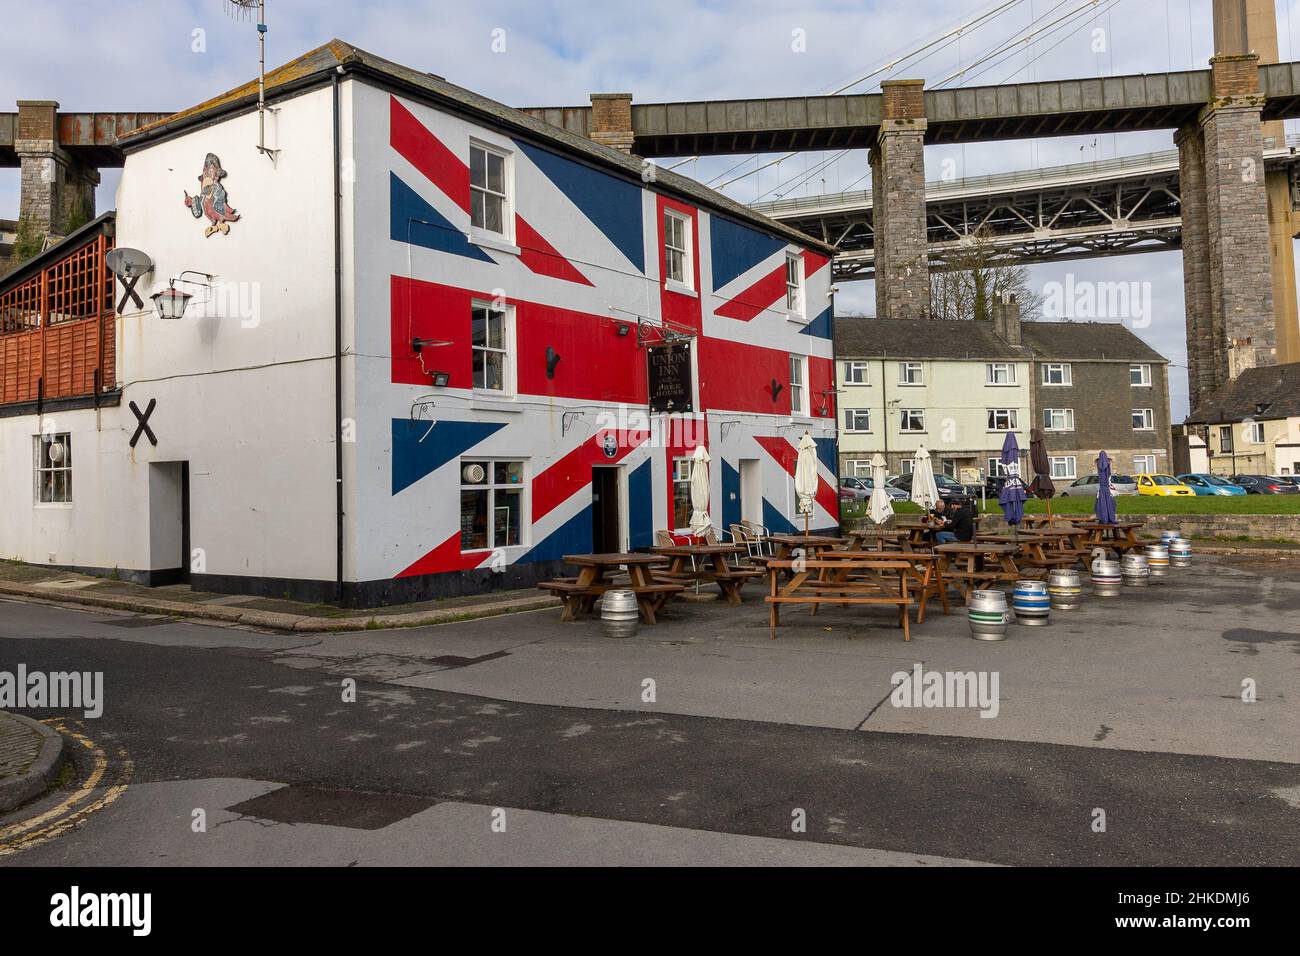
(962, 521)
(941, 523)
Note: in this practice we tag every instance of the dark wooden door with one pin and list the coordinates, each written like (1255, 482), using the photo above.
(605, 524)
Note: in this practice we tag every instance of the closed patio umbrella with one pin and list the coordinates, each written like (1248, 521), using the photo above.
(805, 478)
(924, 491)
(882, 509)
(1042, 486)
(1012, 496)
(701, 523)
(1104, 509)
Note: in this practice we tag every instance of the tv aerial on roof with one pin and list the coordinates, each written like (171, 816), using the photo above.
(243, 10)
(128, 265)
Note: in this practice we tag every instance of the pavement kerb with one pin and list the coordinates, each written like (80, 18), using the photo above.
(278, 620)
(36, 779)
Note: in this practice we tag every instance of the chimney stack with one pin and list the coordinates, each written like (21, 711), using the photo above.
(1006, 318)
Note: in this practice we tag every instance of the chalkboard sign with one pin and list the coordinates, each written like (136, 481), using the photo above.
(670, 377)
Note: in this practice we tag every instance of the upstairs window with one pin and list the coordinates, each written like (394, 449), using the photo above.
(911, 420)
(1144, 420)
(856, 373)
(1058, 419)
(489, 197)
(1139, 374)
(794, 285)
(677, 250)
(857, 419)
(910, 373)
(798, 398)
(1057, 373)
(490, 342)
(1000, 373)
(1002, 419)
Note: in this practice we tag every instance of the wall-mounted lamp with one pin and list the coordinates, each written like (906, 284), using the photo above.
(775, 388)
(441, 379)
(171, 301)
(552, 360)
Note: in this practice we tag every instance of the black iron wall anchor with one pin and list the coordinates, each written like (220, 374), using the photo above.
(142, 419)
(128, 287)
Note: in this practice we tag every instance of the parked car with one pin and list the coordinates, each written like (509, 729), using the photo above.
(1265, 485)
(1204, 484)
(1162, 486)
(848, 493)
(1294, 479)
(950, 489)
(1086, 487)
(865, 485)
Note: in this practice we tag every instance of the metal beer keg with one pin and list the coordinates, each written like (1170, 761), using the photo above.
(1105, 578)
(1180, 553)
(1135, 570)
(1065, 586)
(1157, 556)
(988, 615)
(1031, 603)
(619, 614)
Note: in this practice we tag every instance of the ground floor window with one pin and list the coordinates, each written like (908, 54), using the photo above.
(905, 466)
(491, 504)
(1064, 466)
(54, 468)
(858, 468)
(681, 492)
(948, 466)
(1144, 464)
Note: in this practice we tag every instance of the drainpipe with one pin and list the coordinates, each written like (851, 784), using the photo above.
(338, 342)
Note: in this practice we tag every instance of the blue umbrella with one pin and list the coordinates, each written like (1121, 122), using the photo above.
(1012, 496)
(1105, 507)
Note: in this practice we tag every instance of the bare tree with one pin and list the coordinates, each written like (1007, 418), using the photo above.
(974, 276)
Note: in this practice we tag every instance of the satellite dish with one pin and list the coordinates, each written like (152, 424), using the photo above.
(473, 474)
(128, 263)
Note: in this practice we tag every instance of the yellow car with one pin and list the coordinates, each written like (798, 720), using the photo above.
(1162, 485)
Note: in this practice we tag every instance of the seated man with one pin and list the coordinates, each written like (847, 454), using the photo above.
(963, 521)
(941, 522)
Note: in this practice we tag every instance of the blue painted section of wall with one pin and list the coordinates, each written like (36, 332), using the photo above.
(730, 495)
(572, 537)
(776, 522)
(613, 205)
(413, 458)
(430, 228)
(820, 327)
(641, 514)
(737, 248)
(826, 453)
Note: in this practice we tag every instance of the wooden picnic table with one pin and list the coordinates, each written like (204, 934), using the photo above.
(811, 544)
(889, 585)
(963, 565)
(594, 579)
(923, 569)
(1122, 535)
(708, 562)
(1035, 549)
(857, 540)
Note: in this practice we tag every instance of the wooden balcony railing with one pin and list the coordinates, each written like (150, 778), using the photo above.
(56, 328)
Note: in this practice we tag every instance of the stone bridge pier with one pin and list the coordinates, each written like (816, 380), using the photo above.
(898, 203)
(58, 190)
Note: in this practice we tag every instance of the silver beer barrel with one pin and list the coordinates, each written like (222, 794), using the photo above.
(1135, 570)
(1031, 603)
(619, 614)
(1105, 578)
(1065, 587)
(1157, 556)
(1180, 553)
(988, 615)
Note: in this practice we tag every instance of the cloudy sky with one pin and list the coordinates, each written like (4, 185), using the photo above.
(160, 55)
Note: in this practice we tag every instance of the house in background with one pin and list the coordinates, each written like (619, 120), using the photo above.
(959, 387)
(1251, 425)
(430, 348)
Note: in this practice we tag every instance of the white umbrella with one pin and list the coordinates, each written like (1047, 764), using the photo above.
(882, 509)
(805, 478)
(701, 523)
(924, 491)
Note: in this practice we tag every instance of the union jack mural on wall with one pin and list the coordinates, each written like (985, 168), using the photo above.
(539, 326)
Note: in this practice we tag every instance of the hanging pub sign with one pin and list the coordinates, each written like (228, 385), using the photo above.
(670, 377)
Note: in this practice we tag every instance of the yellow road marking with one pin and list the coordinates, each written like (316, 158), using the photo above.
(48, 825)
